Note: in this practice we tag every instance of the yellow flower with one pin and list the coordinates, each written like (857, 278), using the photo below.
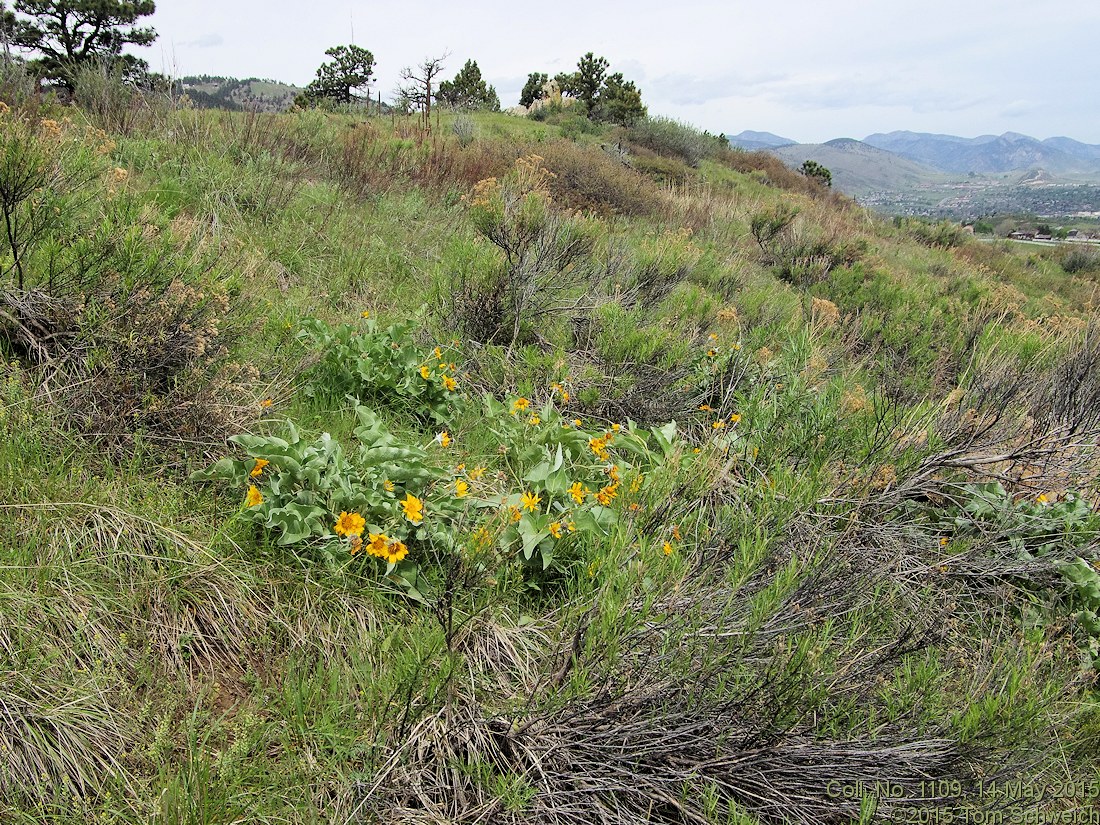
(607, 494)
(736, 347)
(476, 473)
(377, 546)
(572, 527)
(576, 422)
(718, 425)
(449, 383)
(636, 484)
(254, 497)
(599, 446)
(705, 407)
(735, 418)
(555, 529)
(615, 428)
(534, 420)
(667, 548)
(257, 471)
(364, 314)
(444, 439)
(461, 488)
(635, 507)
(437, 352)
(388, 486)
(414, 508)
(578, 491)
(516, 514)
(613, 472)
(267, 402)
(1042, 498)
(943, 541)
(564, 397)
(395, 552)
(356, 544)
(531, 501)
(349, 524)
(520, 405)
(425, 372)
(711, 353)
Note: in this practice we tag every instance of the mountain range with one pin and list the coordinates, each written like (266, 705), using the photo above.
(947, 154)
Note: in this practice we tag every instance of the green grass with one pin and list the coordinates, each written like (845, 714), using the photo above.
(164, 659)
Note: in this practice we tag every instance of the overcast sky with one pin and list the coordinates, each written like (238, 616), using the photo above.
(810, 70)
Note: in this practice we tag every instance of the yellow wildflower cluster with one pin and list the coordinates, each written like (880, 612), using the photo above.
(258, 469)
(606, 495)
(561, 391)
(380, 545)
(599, 446)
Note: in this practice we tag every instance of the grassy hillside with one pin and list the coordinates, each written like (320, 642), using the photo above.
(527, 472)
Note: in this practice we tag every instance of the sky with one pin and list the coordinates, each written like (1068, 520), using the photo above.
(809, 70)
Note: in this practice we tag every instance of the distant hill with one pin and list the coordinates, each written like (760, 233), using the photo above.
(992, 154)
(754, 141)
(859, 168)
(216, 92)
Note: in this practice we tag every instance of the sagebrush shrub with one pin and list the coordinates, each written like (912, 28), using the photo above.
(124, 320)
(671, 138)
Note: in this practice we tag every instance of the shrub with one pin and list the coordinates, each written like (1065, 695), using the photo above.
(941, 235)
(464, 129)
(110, 101)
(1079, 259)
(545, 250)
(17, 86)
(589, 179)
(799, 254)
(774, 172)
(124, 319)
(671, 138)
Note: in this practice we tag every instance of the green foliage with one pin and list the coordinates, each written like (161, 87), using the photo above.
(67, 33)
(340, 79)
(800, 255)
(383, 367)
(1038, 528)
(815, 171)
(532, 89)
(587, 82)
(605, 97)
(671, 138)
(468, 90)
(619, 101)
(939, 235)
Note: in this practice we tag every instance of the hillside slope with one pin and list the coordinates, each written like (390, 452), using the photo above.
(527, 472)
